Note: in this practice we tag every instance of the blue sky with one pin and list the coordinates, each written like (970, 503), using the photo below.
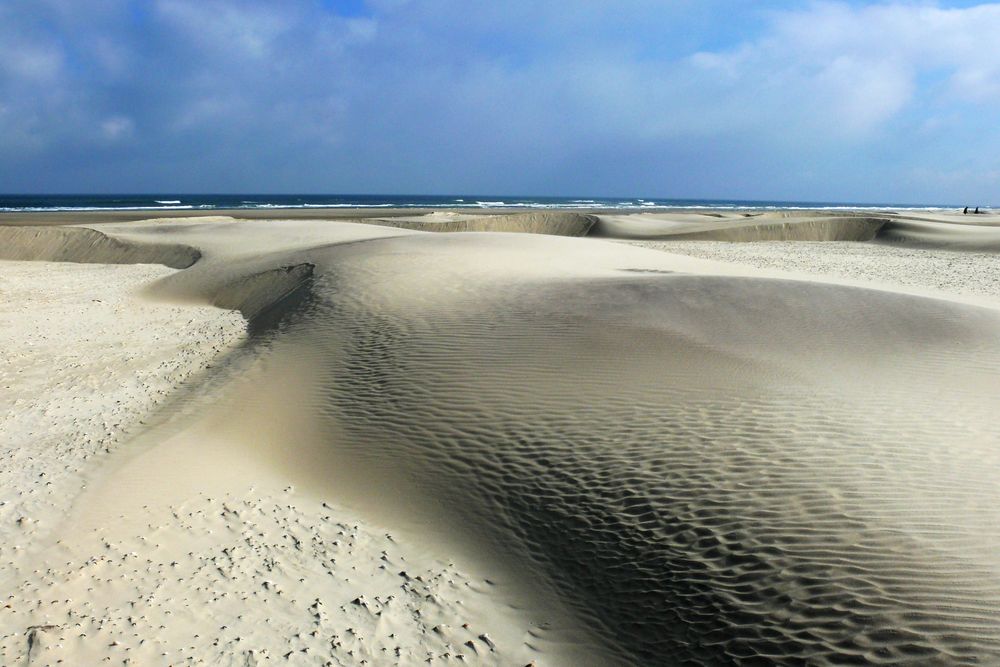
(844, 101)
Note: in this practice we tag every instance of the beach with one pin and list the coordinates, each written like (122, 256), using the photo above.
(500, 437)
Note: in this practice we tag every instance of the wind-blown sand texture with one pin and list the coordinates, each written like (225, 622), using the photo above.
(504, 448)
(947, 273)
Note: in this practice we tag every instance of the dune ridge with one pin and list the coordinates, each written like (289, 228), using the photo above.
(81, 244)
(763, 227)
(250, 293)
(940, 231)
(556, 223)
(268, 292)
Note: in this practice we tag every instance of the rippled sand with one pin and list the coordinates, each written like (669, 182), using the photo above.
(663, 460)
(707, 468)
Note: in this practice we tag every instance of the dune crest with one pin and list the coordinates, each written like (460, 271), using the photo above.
(739, 228)
(555, 223)
(81, 244)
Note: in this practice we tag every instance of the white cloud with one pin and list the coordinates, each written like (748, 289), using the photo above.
(26, 53)
(551, 92)
(117, 128)
(37, 63)
(857, 68)
(242, 29)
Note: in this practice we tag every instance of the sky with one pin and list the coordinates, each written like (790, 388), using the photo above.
(720, 99)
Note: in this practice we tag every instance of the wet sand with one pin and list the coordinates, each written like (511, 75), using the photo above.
(594, 453)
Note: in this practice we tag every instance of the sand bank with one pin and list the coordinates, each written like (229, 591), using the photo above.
(918, 229)
(736, 227)
(652, 458)
(942, 273)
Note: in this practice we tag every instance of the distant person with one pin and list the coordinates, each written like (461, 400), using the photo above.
(977, 210)
(965, 211)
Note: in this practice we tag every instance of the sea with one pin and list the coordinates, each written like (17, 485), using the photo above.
(153, 202)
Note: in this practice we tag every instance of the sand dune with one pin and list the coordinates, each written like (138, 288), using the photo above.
(969, 277)
(653, 459)
(79, 244)
(984, 219)
(556, 223)
(728, 225)
(420, 215)
(944, 235)
(739, 227)
(918, 230)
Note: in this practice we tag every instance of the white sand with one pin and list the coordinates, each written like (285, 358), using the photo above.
(84, 361)
(178, 560)
(504, 448)
(944, 271)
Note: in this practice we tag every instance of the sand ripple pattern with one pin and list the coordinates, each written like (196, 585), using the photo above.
(709, 470)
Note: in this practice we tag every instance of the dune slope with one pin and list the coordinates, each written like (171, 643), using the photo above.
(739, 227)
(555, 223)
(80, 244)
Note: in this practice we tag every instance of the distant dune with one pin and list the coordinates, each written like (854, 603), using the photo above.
(763, 227)
(78, 244)
(939, 234)
(553, 223)
(914, 229)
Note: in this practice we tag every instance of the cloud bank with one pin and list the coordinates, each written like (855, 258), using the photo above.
(822, 101)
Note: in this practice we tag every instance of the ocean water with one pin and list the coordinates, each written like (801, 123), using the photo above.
(83, 202)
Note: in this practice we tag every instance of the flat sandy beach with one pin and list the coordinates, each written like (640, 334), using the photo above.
(451, 437)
